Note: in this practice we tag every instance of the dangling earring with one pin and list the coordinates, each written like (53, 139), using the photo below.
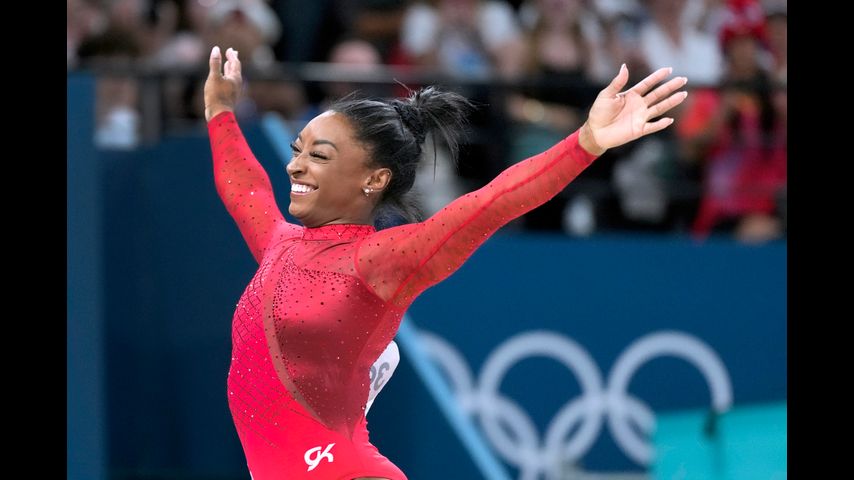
(368, 190)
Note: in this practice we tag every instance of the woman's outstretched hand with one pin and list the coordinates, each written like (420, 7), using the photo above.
(221, 91)
(620, 117)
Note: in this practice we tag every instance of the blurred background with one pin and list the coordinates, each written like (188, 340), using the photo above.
(633, 327)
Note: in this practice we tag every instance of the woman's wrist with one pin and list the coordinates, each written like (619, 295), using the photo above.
(214, 110)
(588, 142)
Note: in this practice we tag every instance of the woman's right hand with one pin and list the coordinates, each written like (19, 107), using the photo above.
(221, 91)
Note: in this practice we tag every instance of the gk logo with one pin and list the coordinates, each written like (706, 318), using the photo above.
(313, 456)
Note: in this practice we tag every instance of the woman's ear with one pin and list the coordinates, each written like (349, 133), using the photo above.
(379, 179)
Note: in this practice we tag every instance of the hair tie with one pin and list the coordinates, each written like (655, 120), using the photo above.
(412, 121)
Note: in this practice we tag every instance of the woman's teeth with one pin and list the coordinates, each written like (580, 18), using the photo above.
(300, 188)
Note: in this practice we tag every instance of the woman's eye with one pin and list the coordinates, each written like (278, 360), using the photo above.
(294, 149)
(319, 155)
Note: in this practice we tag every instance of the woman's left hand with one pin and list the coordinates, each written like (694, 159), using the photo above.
(620, 117)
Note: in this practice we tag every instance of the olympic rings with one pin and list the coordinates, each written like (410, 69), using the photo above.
(584, 416)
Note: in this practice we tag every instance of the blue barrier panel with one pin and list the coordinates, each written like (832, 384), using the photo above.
(605, 295)
(85, 402)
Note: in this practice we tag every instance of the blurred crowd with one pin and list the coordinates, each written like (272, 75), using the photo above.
(534, 66)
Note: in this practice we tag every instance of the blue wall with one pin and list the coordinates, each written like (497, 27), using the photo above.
(85, 402)
(174, 265)
(605, 293)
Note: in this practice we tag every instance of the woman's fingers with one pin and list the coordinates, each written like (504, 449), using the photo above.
(232, 66)
(657, 125)
(652, 80)
(663, 106)
(232, 63)
(664, 90)
(617, 83)
(215, 62)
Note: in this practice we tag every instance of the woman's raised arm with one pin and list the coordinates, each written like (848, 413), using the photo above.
(241, 181)
(401, 262)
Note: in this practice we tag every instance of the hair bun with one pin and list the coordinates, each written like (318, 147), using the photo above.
(411, 118)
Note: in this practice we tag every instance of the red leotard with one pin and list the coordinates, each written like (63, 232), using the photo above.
(326, 301)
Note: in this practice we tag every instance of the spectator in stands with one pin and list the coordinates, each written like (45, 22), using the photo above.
(706, 16)
(253, 27)
(561, 41)
(668, 40)
(560, 50)
(740, 134)
(621, 22)
(250, 25)
(378, 22)
(464, 37)
(778, 44)
(118, 43)
(185, 50)
(188, 45)
(83, 21)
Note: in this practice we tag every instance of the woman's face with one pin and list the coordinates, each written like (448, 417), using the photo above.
(328, 173)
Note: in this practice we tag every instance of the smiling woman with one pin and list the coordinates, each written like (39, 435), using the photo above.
(328, 296)
(333, 180)
(368, 147)
(324, 177)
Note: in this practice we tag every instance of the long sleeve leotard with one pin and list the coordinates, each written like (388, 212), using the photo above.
(326, 301)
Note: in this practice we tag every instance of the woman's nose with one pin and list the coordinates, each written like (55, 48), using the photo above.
(294, 166)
